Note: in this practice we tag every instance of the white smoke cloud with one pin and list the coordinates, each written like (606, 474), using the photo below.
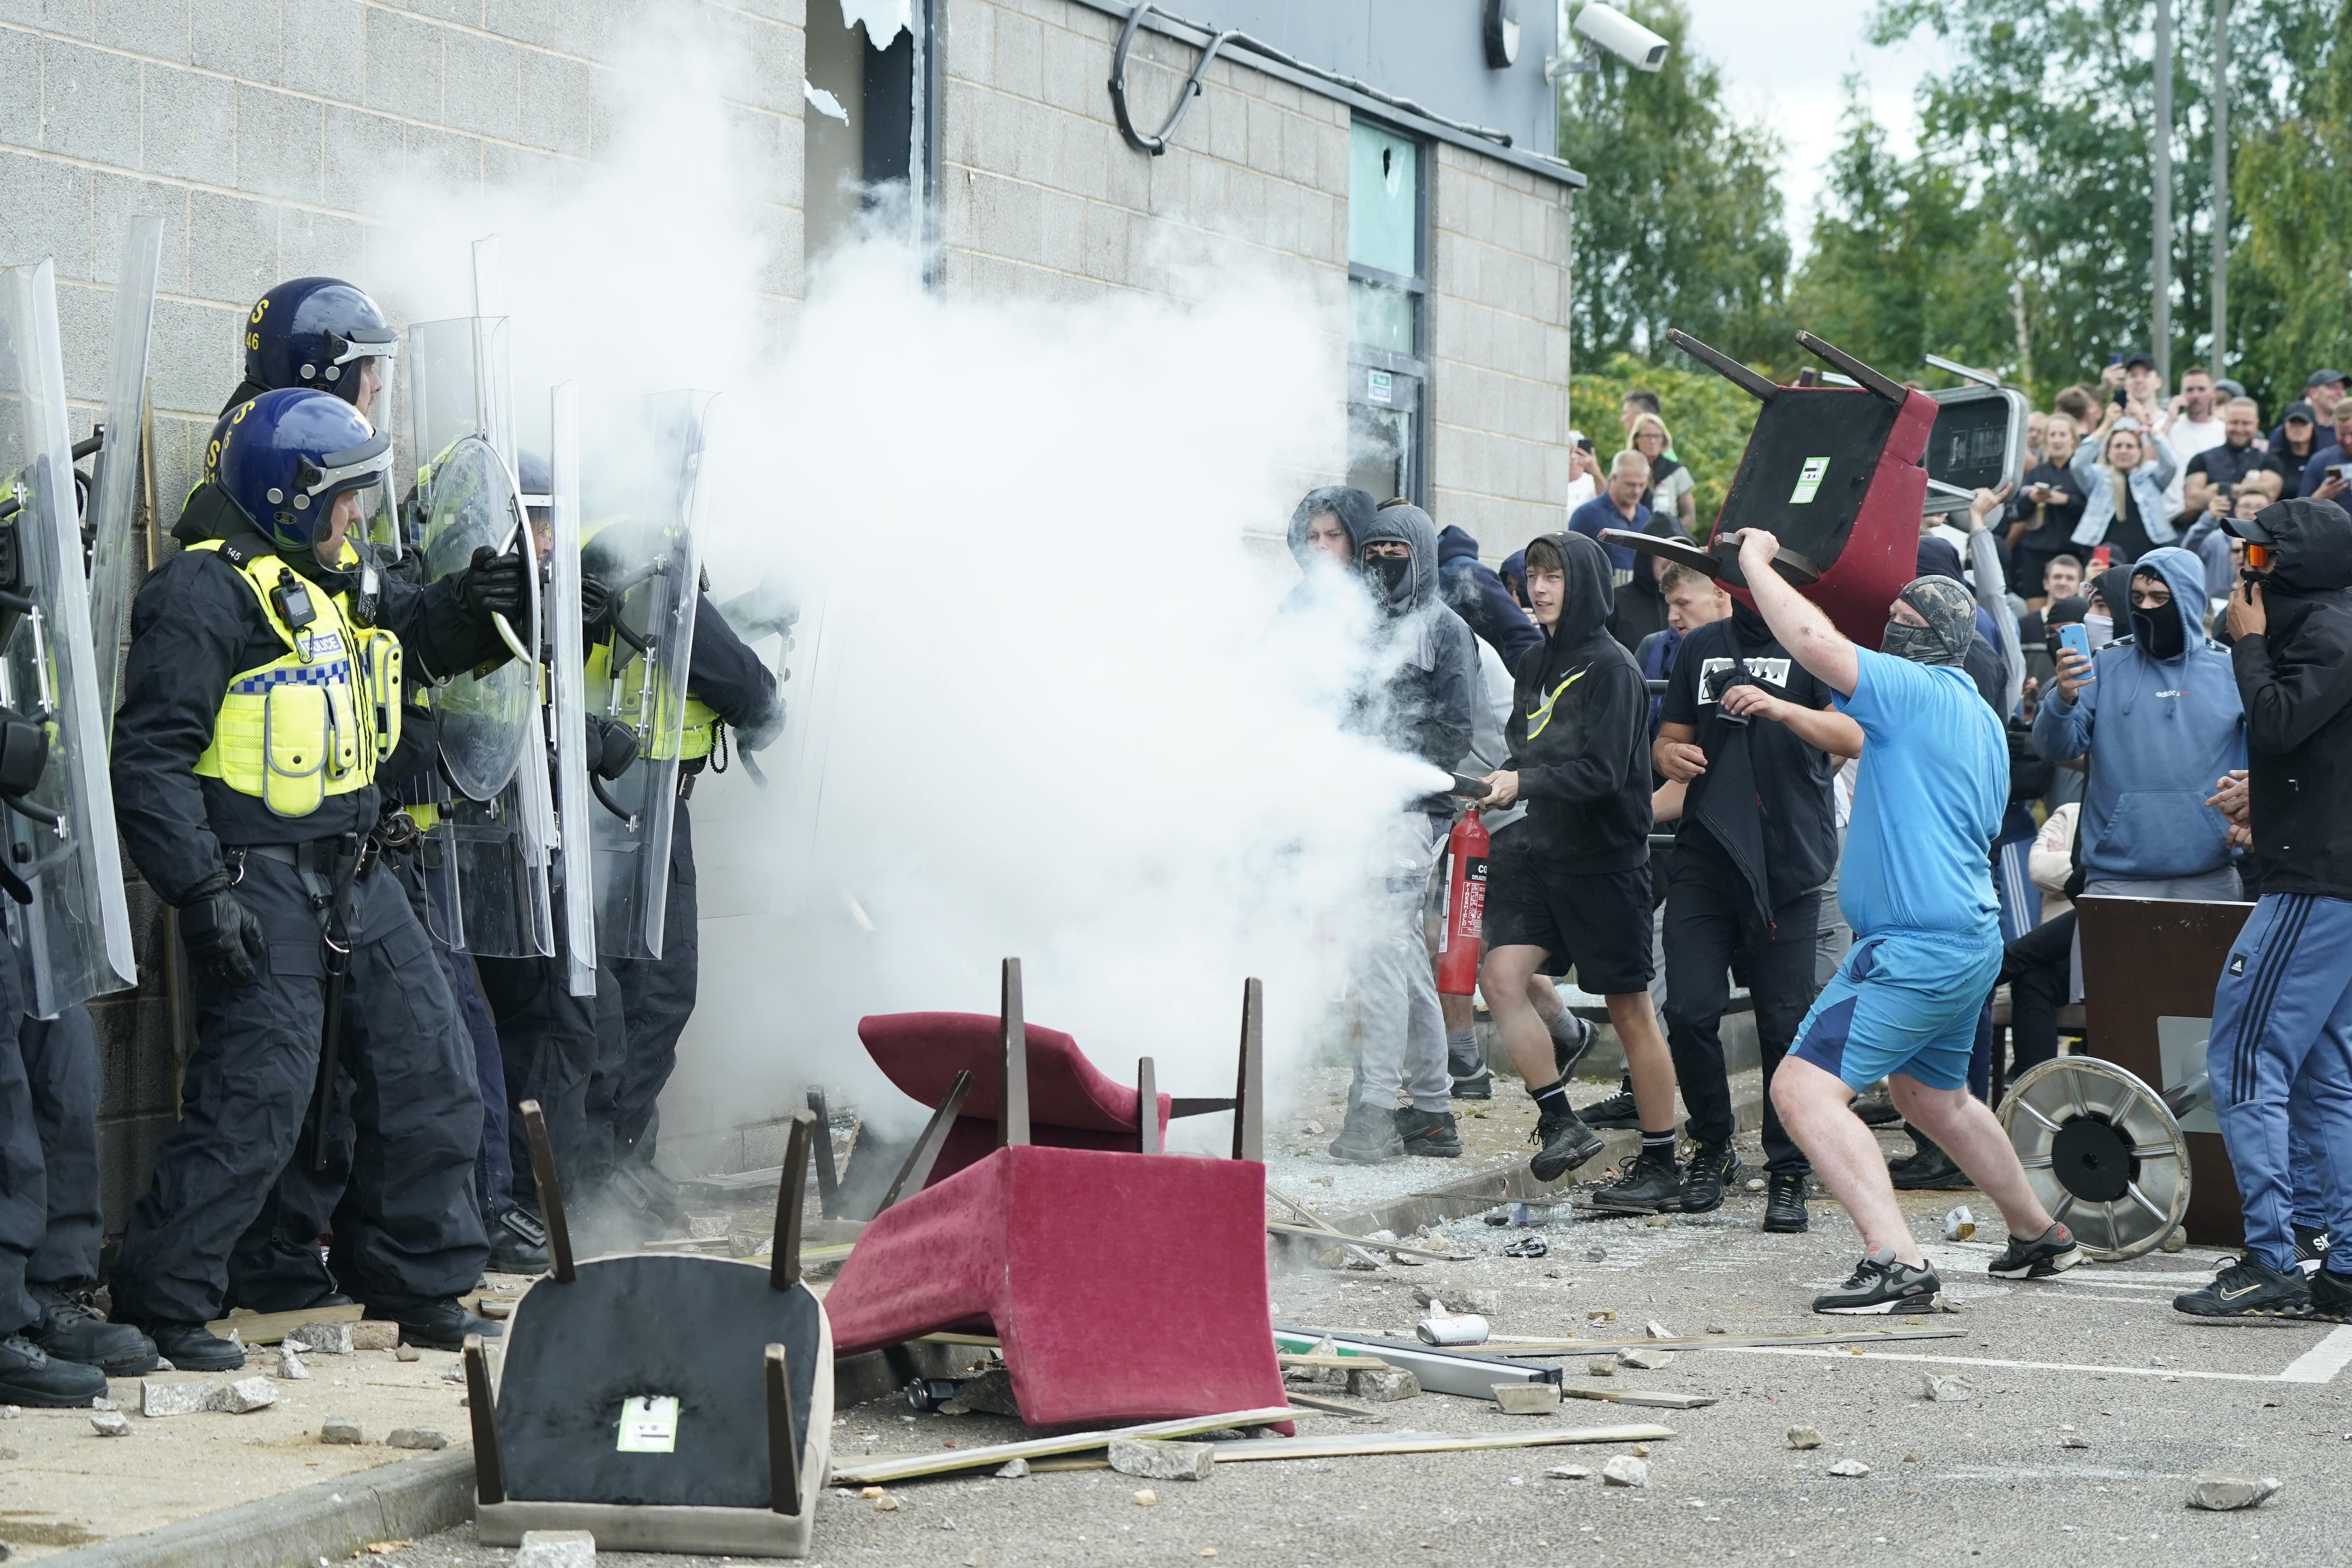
(1040, 702)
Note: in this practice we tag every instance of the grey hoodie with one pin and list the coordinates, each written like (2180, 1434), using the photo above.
(1430, 697)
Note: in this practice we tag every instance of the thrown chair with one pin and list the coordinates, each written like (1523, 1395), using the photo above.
(1125, 1284)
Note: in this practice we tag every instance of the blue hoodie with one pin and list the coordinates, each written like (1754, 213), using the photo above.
(2159, 734)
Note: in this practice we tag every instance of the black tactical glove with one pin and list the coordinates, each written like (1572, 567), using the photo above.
(492, 585)
(612, 747)
(758, 737)
(223, 938)
(595, 609)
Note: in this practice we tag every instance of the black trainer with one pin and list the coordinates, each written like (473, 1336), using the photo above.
(440, 1325)
(1784, 1205)
(2331, 1297)
(518, 1242)
(30, 1376)
(71, 1330)
(2248, 1288)
(1563, 1142)
(1429, 1133)
(1881, 1283)
(1712, 1167)
(191, 1347)
(1582, 1033)
(1617, 1111)
(2310, 1249)
(1652, 1186)
(1877, 1108)
(1478, 1085)
(1927, 1169)
(2052, 1252)
(1368, 1137)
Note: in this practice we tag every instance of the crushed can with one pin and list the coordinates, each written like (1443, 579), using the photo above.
(926, 1395)
(1959, 1225)
(1452, 1328)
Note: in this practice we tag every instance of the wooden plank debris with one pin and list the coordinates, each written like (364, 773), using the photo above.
(1284, 1227)
(1430, 1443)
(1546, 1348)
(880, 1472)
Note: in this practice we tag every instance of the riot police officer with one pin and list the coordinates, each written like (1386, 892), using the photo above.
(262, 693)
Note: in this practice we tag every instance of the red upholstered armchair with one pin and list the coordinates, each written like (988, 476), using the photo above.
(1126, 1284)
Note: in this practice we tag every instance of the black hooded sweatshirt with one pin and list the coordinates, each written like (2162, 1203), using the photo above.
(1766, 800)
(1579, 728)
(2296, 681)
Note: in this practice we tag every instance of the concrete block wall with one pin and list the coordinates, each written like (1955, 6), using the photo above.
(259, 131)
(1498, 350)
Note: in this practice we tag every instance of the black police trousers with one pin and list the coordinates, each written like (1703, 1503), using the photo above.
(50, 1220)
(414, 1236)
(1711, 923)
(596, 1063)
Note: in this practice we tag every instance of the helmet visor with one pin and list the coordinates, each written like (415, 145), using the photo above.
(320, 484)
(359, 369)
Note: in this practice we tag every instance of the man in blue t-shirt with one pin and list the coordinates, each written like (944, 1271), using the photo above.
(1619, 505)
(1917, 888)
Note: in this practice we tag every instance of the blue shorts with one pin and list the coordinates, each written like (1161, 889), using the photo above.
(1903, 1001)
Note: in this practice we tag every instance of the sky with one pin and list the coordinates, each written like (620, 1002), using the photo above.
(1787, 61)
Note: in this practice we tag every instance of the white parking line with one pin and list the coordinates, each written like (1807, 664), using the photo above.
(2318, 1364)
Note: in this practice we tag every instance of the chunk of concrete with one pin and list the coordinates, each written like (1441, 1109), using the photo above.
(2220, 1491)
(289, 1364)
(1381, 1386)
(557, 1549)
(1645, 1359)
(991, 1392)
(1527, 1398)
(417, 1437)
(1804, 1437)
(407, 1352)
(1154, 1460)
(246, 1393)
(1013, 1470)
(1458, 1299)
(1944, 1390)
(157, 1400)
(1624, 1470)
(110, 1424)
(321, 1339)
(1850, 1467)
(369, 1334)
(339, 1429)
(1601, 1366)
(1567, 1473)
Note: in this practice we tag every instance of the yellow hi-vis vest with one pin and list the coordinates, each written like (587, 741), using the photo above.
(698, 732)
(314, 721)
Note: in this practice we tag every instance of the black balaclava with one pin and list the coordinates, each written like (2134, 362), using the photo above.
(1391, 573)
(2160, 632)
(1951, 617)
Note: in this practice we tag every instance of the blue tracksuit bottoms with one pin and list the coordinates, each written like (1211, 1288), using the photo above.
(2281, 1064)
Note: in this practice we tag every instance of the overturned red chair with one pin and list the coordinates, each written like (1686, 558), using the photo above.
(1125, 1284)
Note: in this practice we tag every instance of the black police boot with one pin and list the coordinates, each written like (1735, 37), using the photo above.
(518, 1242)
(1617, 1111)
(1563, 1142)
(440, 1325)
(1784, 1205)
(191, 1347)
(1429, 1133)
(69, 1331)
(30, 1376)
(1711, 1167)
(1652, 1186)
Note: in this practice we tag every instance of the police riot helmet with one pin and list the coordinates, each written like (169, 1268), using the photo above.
(315, 332)
(286, 458)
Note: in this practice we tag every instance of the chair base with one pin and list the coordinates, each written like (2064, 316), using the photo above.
(728, 1532)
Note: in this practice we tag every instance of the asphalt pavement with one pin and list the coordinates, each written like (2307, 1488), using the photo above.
(2090, 1404)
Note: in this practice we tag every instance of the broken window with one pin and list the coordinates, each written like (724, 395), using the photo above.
(862, 115)
(1387, 299)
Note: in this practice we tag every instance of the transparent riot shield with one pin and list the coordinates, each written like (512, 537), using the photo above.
(649, 559)
(575, 807)
(116, 490)
(471, 503)
(68, 915)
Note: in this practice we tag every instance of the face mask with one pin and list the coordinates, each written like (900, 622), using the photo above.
(2101, 629)
(1920, 645)
(1391, 577)
(2160, 632)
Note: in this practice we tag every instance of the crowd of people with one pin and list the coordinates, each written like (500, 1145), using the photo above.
(278, 774)
(2125, 672)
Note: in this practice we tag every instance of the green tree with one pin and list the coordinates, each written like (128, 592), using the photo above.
(1682, 224)
(2291, 283)
(1710, 417)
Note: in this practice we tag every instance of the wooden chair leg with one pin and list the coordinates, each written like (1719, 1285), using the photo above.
(550, 1193)
(926, 1152)
(1013, 1115)
(482, 1408)
(791, 1192)
(828, 1179)
(1147, 1106)
(783, 1442)
(1249, 1087)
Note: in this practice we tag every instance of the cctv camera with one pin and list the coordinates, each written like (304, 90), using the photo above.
(1622, 37)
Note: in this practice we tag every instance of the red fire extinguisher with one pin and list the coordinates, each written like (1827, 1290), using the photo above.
(1465, 905)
